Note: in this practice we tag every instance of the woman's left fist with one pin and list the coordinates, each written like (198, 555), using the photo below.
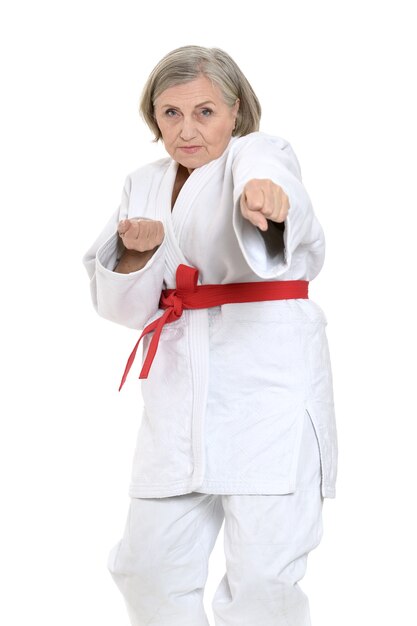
(263, 200)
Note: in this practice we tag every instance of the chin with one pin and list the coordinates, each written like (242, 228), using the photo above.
(193, 163)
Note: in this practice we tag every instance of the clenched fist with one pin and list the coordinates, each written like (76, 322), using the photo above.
(141, 239)
(141, 235)
(263, 200)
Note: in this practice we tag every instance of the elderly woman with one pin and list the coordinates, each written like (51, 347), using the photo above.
(210, 252)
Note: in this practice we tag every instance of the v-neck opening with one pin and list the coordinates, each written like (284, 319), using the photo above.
(195, 175)
(178, 165)
(176, 217)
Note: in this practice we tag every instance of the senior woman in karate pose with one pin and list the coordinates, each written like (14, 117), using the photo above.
(210, 254)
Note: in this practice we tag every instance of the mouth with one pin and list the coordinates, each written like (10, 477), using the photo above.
(190, 149)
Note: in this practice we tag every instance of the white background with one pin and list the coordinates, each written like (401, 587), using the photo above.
(337, 80)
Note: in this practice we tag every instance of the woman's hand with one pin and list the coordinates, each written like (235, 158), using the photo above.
(141, 235)
(141, 239)
(263, 200)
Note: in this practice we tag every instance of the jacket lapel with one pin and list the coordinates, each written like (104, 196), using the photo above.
(175, 220)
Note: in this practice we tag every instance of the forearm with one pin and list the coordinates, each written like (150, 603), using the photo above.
(273, 238)
(132, 260)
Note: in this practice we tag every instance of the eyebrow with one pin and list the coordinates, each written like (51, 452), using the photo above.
(171, 106)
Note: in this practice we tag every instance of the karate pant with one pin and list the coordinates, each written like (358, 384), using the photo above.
(161, 563)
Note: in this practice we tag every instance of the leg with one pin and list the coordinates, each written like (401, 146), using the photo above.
(161, 563)
(266, 541)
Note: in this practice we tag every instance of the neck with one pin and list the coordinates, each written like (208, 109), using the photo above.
(185, 171)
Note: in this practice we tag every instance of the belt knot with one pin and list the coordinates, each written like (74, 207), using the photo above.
(174, 302)
(186, 284)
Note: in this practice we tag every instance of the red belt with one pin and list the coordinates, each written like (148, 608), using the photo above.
(189, 295)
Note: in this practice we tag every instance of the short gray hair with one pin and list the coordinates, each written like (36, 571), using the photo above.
(187, 63)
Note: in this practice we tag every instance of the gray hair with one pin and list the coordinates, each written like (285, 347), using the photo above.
(187, 63)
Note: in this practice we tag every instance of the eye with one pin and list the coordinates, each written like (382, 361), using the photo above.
(169, 111)
(206, 112)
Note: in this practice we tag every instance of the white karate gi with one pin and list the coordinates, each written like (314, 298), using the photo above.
(231, 388)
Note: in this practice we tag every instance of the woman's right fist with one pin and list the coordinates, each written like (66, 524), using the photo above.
(141, 235)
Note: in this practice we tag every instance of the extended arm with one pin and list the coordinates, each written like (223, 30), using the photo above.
(269, 252)
(125, 287)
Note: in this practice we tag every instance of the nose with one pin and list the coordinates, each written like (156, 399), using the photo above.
(188, 129)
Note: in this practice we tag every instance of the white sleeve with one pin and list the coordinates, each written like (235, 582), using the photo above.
(269, 253)
(127, 299)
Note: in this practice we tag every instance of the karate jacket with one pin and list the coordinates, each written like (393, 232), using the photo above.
(230, 386)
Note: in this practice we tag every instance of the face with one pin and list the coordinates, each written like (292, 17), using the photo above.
(195, 122)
